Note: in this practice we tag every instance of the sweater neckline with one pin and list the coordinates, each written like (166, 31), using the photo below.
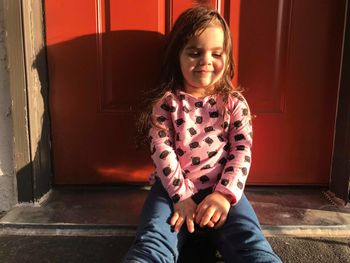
(188, 95)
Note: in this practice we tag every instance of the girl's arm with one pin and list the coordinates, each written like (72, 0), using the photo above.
(168, 168)
(213, 210)
(235, 172)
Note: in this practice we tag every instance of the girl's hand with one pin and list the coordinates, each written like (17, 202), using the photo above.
(184, 210)
(213, 210)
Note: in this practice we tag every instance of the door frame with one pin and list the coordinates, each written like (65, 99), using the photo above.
(28, 82)
(24, 21)
(340, 173)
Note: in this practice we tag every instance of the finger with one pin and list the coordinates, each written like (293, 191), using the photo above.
(210, 224)
(207, 216)
(178, 224)
(190, 224)
(200, 213)
(199, 207)
(216, 217)
(174, 218)
(221, 222)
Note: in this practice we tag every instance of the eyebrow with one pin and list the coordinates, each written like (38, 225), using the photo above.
(198, 48)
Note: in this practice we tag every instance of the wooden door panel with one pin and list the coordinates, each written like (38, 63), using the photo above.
(289, 61)
(263, 53)
(95, 82)
(177, 7)
(129, 55)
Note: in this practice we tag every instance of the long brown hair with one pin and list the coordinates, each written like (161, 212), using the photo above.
(191, 22)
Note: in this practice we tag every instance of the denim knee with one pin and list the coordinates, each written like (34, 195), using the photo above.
(155, 239)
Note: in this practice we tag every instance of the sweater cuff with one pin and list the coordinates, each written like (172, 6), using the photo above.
(186, 191)
(228, 194)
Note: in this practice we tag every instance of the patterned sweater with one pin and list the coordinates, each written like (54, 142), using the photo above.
(196, 144)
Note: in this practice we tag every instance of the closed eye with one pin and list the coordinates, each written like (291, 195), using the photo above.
(217, 55)
(194, 54)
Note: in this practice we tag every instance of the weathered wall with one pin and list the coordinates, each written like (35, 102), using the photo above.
(7, 178)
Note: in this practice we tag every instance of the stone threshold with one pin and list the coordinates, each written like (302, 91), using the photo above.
(114, 211)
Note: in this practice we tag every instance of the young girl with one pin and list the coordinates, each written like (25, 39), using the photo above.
(200, 133)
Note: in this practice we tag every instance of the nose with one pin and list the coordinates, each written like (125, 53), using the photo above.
(205, 59)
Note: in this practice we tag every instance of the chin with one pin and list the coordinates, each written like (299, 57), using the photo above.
(203, 84)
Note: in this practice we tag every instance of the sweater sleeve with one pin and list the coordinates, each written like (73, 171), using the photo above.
(168, 168)
(235, 172)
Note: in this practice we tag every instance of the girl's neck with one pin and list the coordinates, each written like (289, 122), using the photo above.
(199, 93)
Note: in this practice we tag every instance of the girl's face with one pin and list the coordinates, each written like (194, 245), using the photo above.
(202, 61)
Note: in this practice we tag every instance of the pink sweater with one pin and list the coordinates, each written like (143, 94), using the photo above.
(194, 146)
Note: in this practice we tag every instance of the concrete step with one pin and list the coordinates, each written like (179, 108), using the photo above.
(72, 249)
(114, 211)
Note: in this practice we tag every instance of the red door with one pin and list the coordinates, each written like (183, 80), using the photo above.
(103, 53)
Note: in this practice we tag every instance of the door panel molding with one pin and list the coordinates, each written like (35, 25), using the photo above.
(122, 46)
(267, 95)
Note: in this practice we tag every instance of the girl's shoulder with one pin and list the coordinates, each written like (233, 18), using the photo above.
(236, 95)
(236, 98)
(167, 100)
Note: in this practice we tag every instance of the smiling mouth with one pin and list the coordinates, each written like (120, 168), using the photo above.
(203, 71)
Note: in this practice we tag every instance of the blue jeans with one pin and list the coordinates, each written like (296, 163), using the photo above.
(239, 240)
